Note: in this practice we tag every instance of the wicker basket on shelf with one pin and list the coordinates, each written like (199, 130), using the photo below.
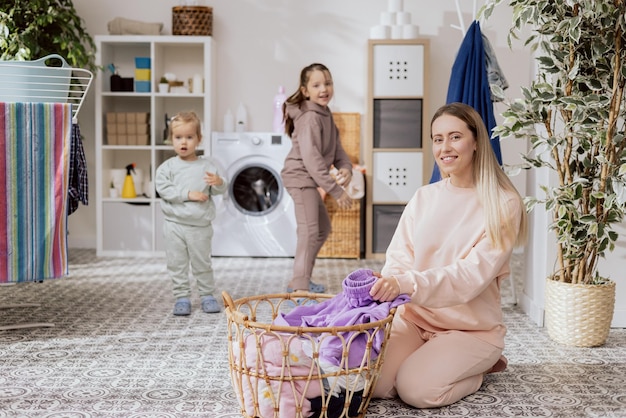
(345, 239)
(192, 20)
(279, 371)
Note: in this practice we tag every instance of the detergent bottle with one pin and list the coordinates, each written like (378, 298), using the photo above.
(128, 189)
(278, 124)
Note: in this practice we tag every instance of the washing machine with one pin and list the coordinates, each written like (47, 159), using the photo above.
(255, 218)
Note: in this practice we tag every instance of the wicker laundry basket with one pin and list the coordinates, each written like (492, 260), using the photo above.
(344, 240)
(279, 371)
(192, 20)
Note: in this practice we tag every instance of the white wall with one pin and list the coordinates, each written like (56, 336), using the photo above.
(261, 44)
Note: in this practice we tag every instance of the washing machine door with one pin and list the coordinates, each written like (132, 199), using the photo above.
(256, 189)
(256, 217)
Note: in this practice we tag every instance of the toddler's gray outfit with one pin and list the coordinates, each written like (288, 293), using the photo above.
(187, 227)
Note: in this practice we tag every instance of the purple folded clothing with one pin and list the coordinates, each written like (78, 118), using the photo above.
(356, 287)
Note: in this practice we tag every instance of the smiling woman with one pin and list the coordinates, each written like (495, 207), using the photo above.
(451, 331)
(454, 145)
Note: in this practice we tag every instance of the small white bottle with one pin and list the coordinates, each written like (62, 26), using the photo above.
(278, 124)
(242, 118)
(229, 122)
(197, 84)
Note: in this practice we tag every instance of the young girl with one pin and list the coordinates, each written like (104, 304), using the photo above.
(186, 183)
(315, 149)
(449, 253)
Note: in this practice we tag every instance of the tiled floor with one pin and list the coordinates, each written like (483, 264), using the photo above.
(115, 350)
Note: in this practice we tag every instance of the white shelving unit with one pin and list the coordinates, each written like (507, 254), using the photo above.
(397, 146)
(132, 227)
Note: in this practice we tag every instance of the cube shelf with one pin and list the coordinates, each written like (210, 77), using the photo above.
(131, 126)
(396, 150)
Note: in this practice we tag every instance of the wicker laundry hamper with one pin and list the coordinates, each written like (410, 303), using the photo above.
(278, 371)
(192, 20)
(344, 240)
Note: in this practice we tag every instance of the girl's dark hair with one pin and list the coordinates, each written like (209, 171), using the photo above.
(298, 96)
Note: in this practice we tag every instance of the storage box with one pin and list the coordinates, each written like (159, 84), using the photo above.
(142, 139)
(398, 123)
(192, 20)
(142, 86)
(396, 175)
(142, 74)
(142, 117)
(111, 117)
(142, 62)
(112, 139)
(121, 83)
(386, 218)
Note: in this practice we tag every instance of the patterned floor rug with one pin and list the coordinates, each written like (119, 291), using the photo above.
(116, 350)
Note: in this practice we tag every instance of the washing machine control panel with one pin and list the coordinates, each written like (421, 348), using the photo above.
(256, 140)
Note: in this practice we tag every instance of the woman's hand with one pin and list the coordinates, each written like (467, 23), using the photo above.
(385, 289)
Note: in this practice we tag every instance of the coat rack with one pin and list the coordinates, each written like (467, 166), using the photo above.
(461, 25)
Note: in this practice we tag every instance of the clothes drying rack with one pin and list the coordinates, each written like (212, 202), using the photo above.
(43, 81)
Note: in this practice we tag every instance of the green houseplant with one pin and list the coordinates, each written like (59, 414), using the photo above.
(573, 116)
(33, 29)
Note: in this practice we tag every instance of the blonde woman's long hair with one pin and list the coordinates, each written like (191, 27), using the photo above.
(493, 185)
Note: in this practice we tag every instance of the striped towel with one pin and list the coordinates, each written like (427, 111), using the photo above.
(35, 143)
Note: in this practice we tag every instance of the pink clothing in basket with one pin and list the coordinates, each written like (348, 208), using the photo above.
(270, 359)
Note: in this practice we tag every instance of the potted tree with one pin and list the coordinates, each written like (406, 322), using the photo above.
(573, 115)
(33, 29)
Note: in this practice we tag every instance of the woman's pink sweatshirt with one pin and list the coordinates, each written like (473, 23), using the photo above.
(445, 262)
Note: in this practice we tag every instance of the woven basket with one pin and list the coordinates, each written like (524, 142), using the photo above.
(344, 240)
(349, 126)
(192, 20)
(278, 383)
(579, 315)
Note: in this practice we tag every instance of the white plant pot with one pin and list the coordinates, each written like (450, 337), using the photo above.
(164, 88)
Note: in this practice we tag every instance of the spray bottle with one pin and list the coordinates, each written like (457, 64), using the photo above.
(128, 189)
(279, 99)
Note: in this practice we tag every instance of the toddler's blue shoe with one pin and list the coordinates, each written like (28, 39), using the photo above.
(182, 307)
(209, 304)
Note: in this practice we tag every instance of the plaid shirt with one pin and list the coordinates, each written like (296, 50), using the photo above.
(79, 189)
